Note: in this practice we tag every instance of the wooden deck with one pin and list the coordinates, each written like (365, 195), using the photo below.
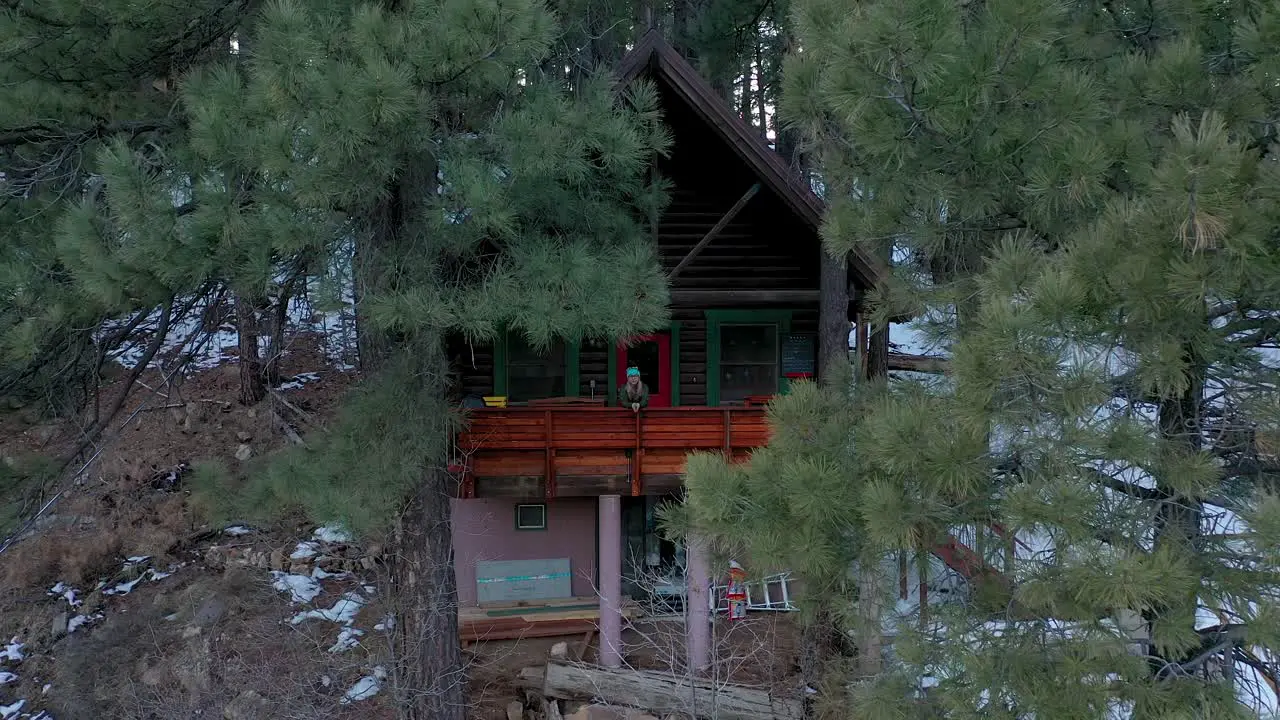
(546, 452)
(547, 618)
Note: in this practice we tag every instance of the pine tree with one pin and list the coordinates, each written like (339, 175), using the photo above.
(87, 91)
(1088, 196)
(481, 196)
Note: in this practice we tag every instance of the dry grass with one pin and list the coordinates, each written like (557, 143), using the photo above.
(70, 555)
(96, 529)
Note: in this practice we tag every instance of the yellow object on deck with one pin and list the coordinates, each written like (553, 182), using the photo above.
(495, 401)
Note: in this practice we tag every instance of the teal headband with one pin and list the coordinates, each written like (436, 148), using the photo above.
(633, 372)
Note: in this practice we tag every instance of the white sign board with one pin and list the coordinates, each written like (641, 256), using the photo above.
(515, 580)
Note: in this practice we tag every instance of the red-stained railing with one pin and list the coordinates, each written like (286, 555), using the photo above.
(551, 442)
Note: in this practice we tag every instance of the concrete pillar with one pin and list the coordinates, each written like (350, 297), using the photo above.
(610, 568)
(698, 605)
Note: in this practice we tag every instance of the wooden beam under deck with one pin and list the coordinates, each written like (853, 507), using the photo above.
(540, 452)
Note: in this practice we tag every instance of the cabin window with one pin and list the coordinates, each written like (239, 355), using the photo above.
(531, 517)
(744, 353)
(534, 374)
(748, 361)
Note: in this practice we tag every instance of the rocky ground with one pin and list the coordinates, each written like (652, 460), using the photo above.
(120, 602)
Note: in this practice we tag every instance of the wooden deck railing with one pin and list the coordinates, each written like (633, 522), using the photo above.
(596, 450)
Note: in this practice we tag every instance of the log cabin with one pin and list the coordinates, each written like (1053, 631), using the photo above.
(558, 488)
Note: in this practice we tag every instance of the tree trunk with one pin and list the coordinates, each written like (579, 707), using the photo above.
(820, 641)
(252, 388)
(276, 319)
(878, 340)
(681, 13)
(870, 613)
(788, 143)
(878, 354)
(1178, 516)
(431, 677)
(833, 314)
(761, 97)
(429, 671)
(870, 597)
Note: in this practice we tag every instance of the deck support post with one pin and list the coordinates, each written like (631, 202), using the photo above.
(698, 605)
(610, 568)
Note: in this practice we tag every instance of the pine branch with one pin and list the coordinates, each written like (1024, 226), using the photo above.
(116, 338)
(42, 133)
(1133, 491)
(1214, 641)
(91, 435)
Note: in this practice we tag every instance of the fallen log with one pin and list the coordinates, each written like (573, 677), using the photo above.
(660, 694)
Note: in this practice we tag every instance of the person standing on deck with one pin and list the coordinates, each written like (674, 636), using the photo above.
(633, 393)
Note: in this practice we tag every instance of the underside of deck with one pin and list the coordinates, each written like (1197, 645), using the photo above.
(533, 452)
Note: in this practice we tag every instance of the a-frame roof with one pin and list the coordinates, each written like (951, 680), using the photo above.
(654, 54)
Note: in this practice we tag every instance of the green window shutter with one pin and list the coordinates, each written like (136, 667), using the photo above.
(572, 367)
(675, 363)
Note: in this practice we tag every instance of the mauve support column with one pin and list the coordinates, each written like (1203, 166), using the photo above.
(610, 564)
(698, 607)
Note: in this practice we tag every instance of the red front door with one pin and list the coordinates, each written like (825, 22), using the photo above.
(652, 354)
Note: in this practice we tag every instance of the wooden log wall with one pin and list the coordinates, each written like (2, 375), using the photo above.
(473, 365)
(765, 249)
(593, 361)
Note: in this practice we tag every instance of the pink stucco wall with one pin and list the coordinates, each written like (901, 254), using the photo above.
(484, 529)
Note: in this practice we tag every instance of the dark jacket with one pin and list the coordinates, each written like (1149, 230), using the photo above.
(625, 400)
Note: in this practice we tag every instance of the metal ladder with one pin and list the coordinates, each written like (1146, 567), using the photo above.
(771, 593)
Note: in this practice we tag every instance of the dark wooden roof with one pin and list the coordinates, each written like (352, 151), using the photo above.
(655, 55)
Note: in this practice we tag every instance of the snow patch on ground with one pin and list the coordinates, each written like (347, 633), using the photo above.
(343, 611)
(305, 549)
(12, 652)
(321, 574)
(366, 687)
(125, 588)
(66, 592)
(304, 589)
(11, 711)
(332, 534)
(299, 380)
(237, 530)
(301, 588)
(81, 620)
(348, 638)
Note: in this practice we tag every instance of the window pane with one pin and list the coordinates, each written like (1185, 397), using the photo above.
(532, 375)
(531, 517)
(749, 344)
(737, 382)
(748, 361)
